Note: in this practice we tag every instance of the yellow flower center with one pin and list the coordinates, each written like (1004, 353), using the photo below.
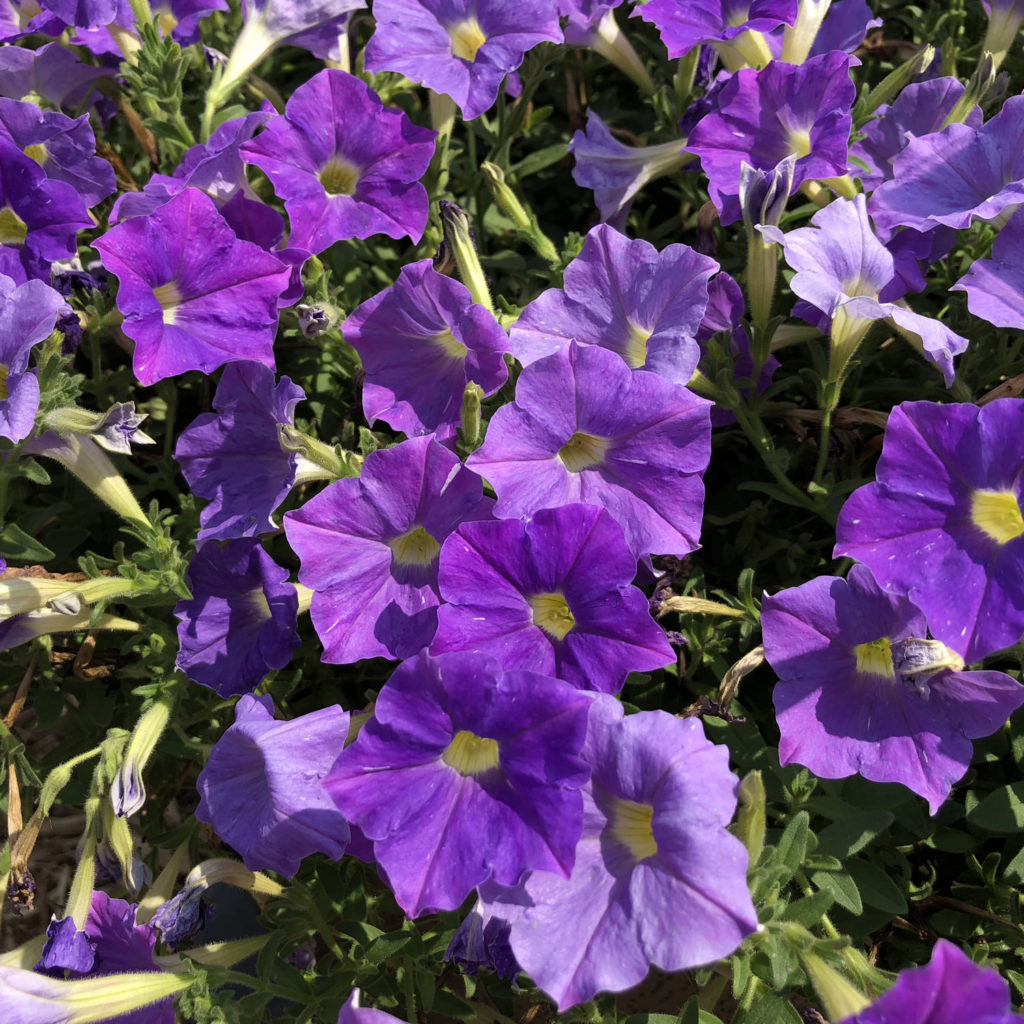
(631, 826)
(450, 345)
(551, 613)
(339, 176)
(875, 658)
(582, 451)
(799, 141)
(37, 152)
(169, 298)
(997, 514)
(414, 547)
(470, 754)
(4, 373)
(636, 346)
(467, 37)
(13, 230)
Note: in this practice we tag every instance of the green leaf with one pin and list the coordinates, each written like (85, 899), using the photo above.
(539, 159)
(386, 946)
(740, 975)
(791, 848)
(877, 888)
(842, 888)
(1001, 811)
(654, 1018)
(447, 1005)
(846, 837)
(32, 470)
(809, 910)
(16, 544)
(769, 1008)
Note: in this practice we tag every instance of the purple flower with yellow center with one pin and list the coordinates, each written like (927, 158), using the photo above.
(550, 595)
(765, 116)
(459, 47)
(995, 287)
(863, 690)
(239, 623)
(421, 341)
(943, 524)
(369, 548)
(193, 294)
(654, 852)
(52, 72)
(262, 787)
(950, 989)
(585, 428)
(465, 772)
(345, 165)
(623, 295)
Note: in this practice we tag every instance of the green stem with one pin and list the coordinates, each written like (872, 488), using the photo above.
(409, 989)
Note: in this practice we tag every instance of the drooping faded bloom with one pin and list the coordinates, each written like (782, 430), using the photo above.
(262, 787)
(995, 287)
(369, 548)
(345, 165)
(624, 295)
(194, 295)
(459, 47)
(552, 595)
(421, 341)
(943, 522)
(465, 772)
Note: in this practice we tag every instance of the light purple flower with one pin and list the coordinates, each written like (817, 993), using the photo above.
(52, 72)
(459, 47)
(943, 524)
(346, 166)
(655, 852)
(314, 25)
(262, 787)
(353, 1013)
(234, 456)
(369, 548)
(421, 341)
(623, 295)
(551, 595)
(193, 294)
(465, 772)
(585, 428)
(995, 287)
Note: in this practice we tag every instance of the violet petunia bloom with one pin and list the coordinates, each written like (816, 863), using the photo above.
(943, 522)
(52, 72)
(234, 456)
(369, 548)
(624, 295)
(262, 787)
(654, 852)
(194, 295)
(550, 595)
(614, 171)
(345, 165)
(841, 268)
(421, 341)
(585, 428)
(995, 287)
(949, 989)
(764, 116)
(314, 25)
(863, 690)
(240, 622)
(459, 47)
(465, 773)
(353, 1013)
(28, 313)
(482, 938)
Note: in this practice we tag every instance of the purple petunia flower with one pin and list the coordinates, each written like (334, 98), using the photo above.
(353, 1013)
(314, 25)
(995, 287)
(234, 456)
(551, 595)
(862, 690)
(764, 116)
(482, 938)
(943, 523)
(193, 294)
(421, 341)
(623, 295)
(950, 989)
(369, 548)
(346, 166)
(465, 772)
(459, 47)
(654, 852)
(585, 428)
(240, 621)
(52, 72)
(262, 790)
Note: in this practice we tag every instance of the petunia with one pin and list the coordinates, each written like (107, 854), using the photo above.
(654, 852)
(345, 165)
(623, 294)
(421, 341)
(461, 48)
(234, 456)
(1004, 21)
(943, 523)
(465, 772)
(585, 428)
(369, 548)
(995, 287)
(239, 623)
(52, 72)
(262, 791)
(550, 595)
(353, 1013)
